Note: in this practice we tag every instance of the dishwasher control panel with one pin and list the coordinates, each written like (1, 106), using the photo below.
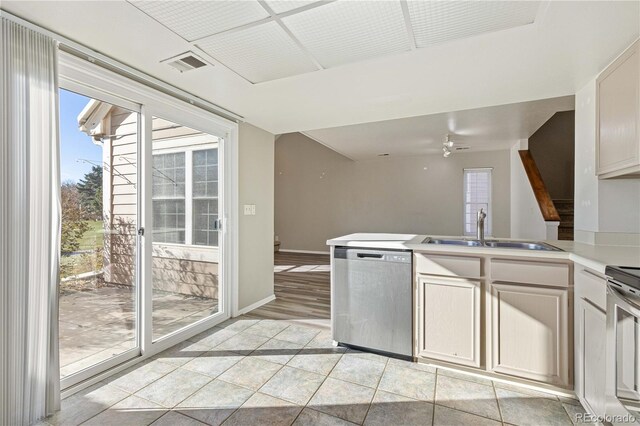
(396, 258)
(367, 254)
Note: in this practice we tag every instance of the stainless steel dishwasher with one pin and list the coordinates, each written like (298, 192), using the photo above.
(371, 299)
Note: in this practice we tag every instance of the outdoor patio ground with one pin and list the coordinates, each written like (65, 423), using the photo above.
(99, 323)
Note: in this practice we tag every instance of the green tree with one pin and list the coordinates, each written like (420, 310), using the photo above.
(74, 224)
(90, 190)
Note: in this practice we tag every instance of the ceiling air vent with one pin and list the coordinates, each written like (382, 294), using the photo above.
(185, 62)
(462, 148)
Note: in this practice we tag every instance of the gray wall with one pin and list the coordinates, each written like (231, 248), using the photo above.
(255, 176)
(320, 194)
(553, 148)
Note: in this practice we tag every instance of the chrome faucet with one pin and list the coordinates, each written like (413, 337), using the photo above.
(480, 225)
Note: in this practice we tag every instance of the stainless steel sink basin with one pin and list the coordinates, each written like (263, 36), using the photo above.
(522, 245)
(518, 245)
(453, 242)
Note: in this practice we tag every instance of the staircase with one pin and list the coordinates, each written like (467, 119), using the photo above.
(547, 207)
(558, 210)
(565, 210)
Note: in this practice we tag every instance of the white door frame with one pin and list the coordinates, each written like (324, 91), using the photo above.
(224, 310)
(79, 75)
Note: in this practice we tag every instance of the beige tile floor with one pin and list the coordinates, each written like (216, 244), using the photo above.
(249, 371)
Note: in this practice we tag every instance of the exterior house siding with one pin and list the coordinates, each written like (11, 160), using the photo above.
(175, 269)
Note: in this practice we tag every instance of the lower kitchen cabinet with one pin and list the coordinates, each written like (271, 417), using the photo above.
(594, 329)
(530, 331)
(590, 339)
(504, 315)
(449, 319)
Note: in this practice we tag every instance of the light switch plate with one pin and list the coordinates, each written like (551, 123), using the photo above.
(247, 209)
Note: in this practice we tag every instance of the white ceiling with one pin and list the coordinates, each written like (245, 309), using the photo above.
(461, 62)
(263, 52)
(258, 40)
(481, 129)
(348, 31)
(194, 20)
(435, 22)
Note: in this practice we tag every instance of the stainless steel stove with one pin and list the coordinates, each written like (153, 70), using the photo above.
(623, 345)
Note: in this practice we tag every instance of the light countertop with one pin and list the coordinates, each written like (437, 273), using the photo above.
(595, 257)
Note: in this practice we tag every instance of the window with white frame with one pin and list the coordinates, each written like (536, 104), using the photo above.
(185, 197)
(169, 198)
(205, 197)
(477, 195)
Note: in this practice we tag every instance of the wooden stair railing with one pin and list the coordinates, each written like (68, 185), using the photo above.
(547, 208)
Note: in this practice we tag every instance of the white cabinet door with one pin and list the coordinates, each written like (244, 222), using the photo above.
(530, 332)
(618, 123)
(593, 329)
(590, 338)
(449, 319)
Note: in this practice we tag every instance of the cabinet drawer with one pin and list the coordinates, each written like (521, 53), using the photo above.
(591, 286)
(452, 266)
(527, 272)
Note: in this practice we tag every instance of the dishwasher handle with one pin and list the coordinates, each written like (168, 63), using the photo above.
(370, 255)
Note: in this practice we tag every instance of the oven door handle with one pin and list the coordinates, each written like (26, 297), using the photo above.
(622, 301)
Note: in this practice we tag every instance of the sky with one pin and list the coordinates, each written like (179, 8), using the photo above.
(75, 146)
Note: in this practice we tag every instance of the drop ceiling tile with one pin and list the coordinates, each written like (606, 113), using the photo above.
(281, 6)
(440, 21)
(350, 31)
(261, 53)
(196, 19)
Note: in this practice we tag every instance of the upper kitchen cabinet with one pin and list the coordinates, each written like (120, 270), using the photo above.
(618, 117)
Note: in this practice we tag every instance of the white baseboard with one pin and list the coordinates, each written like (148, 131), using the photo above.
(255, 305)
(303, 251)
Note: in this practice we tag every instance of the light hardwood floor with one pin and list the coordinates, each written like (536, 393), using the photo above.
(302, 288)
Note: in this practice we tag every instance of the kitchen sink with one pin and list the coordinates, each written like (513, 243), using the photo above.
(452, 242)
(522, 245)
(518, 245)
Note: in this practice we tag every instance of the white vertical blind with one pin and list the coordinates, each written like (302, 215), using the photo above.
(477, 195)
(29, 225)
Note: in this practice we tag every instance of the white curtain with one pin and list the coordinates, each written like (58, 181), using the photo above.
(29, 225)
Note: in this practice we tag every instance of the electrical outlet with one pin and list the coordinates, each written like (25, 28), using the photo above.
(253, 209)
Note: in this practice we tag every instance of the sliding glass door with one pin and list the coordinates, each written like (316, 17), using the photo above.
(143, 263)
(98, 294)
(185, 224)
(145, 236)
